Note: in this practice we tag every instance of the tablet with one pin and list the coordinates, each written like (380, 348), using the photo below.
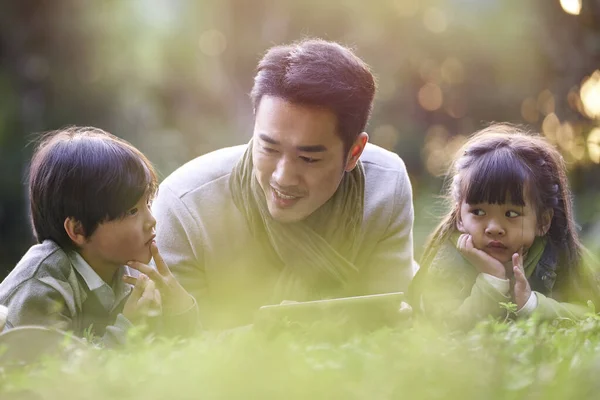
(370, 311)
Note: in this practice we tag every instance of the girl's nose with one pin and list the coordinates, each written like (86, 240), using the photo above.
(494, 229)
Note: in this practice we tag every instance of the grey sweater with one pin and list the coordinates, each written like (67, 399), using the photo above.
(207, 244)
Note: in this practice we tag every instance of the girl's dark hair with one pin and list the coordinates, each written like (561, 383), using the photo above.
(319, 73)
(500, 162)
(88, 174)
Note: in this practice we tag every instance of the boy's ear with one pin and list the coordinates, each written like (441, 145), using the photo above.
(545, 222)
(75, 231)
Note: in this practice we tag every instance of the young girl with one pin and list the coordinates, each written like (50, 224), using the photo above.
(510, 236)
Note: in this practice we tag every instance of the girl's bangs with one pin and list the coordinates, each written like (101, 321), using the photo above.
(496, 177)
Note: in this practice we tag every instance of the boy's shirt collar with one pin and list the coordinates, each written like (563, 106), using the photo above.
(109, 296)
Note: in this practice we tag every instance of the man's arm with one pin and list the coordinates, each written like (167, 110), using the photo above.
(178, 239)
(392, 265)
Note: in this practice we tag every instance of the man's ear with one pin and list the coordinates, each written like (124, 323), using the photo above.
(355, 151)
(75, 231)
(545, 222)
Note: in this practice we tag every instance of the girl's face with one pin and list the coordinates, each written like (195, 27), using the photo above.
(500, 230)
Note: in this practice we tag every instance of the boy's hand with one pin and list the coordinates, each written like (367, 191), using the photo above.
(144, 300)
(479, 258)
(522, 290)
(175, 298)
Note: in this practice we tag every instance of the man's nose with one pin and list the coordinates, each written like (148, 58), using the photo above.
(286, 173)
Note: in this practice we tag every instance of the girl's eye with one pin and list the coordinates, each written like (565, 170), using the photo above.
(133, 211)
(478, 212)
(309, 160)
(512, 214)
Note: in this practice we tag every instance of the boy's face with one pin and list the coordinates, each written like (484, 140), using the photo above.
(116, 242)
(500, 230)
(298, 157)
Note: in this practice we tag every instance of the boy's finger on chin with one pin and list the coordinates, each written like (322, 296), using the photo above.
(161, 266)
(150, 272)
(129, 279)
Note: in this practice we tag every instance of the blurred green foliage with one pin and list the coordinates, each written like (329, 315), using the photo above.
(522, 360)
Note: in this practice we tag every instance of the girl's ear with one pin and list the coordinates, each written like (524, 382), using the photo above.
(545, 222)
(75, 231)
(459, 222)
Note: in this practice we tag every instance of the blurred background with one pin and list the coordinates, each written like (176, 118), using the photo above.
(173, 77)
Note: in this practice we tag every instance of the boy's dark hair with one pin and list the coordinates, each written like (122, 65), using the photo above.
(87, 174)
(319, 73)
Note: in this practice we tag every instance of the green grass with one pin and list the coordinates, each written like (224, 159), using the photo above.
(521, 360)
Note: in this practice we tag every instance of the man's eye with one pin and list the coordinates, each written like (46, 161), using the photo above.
(309, 160)
(478, 212)
(512, 214)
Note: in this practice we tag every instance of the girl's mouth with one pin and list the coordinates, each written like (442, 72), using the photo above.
(494, 244)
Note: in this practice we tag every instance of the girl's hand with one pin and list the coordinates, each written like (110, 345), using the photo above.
(522, 290)
(175, 298)
(480, 259)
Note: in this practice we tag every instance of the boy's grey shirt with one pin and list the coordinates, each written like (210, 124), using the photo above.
(53, 288)
(206, 242)
(45, 288)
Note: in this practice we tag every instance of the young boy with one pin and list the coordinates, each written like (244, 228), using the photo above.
(90, 195)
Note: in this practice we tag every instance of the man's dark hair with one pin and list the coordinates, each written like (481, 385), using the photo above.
(319, 73)
(87, 174)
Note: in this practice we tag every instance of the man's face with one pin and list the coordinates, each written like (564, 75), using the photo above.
(298, 156)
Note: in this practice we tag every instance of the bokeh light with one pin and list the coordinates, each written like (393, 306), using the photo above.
(590, 95)
(545, 102)
(430, 97)
(529, 110)
(593, 145)
(571, 6)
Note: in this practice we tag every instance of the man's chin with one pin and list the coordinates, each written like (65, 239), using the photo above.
(285, 216)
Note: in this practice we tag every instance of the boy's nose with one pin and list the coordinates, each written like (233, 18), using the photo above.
(150, 223)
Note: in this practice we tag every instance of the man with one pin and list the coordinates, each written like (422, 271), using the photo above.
(306, 210)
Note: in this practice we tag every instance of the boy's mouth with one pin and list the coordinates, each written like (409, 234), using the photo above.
(150, 240)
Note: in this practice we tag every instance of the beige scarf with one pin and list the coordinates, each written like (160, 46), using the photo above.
(316, 256)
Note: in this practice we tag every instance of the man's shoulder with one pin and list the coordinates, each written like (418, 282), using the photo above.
(204, 170)
(43, 261)
(380, 158)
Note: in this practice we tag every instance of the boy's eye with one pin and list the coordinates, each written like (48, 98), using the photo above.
(478, 212)
(309, 160)
(132, 211)
(512, 214)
